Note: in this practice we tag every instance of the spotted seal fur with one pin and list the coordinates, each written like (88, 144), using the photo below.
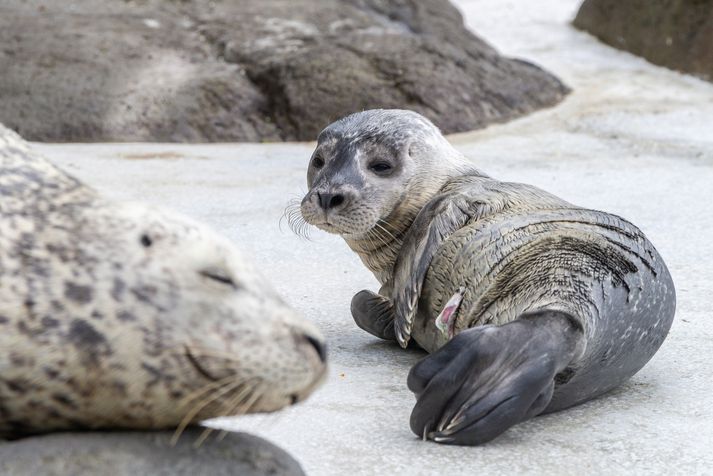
(119, 315)
(529, 304)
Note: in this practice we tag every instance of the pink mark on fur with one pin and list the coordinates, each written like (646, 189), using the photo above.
(445, 322)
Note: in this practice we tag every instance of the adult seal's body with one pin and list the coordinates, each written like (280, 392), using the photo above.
(528, 303)
(117, 315)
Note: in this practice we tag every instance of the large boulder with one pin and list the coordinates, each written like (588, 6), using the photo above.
(139, 454)
(248, 70)
(673, 33)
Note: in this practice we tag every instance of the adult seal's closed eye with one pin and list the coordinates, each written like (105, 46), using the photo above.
(118, 315)
(529, 304)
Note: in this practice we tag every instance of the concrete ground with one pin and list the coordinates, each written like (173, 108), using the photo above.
(632, 139)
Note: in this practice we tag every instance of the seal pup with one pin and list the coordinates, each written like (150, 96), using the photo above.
(123, 316)
(528, 304)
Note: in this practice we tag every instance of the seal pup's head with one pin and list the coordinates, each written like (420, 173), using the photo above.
(123, 315)
(371, 173)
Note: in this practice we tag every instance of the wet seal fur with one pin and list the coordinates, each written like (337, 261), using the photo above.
(119, 315)
(529, 304)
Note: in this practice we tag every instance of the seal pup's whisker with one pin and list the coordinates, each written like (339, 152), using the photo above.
(374, 232)
(295, 221)
(396, 240)
(387, 224)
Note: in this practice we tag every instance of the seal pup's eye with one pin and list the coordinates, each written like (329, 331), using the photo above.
(218, 275)
(317, 162)
(381, 168)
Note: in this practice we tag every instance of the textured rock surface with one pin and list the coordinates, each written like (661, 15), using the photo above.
(138, 454)
(673, 33)
(229, 70)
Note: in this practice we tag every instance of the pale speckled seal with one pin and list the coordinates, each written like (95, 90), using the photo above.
(118, 315)
(529, 304)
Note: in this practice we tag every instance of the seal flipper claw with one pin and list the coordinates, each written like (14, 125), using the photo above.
(374, 313)
(489, 378)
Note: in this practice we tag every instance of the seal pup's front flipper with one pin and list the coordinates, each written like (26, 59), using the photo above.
(489, 378)
(437, 221)
(374, 313)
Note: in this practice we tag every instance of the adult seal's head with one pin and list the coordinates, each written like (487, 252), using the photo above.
(119, 315)
(369, 176)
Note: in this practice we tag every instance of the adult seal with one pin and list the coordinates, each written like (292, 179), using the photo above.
(118, 315)
(529, 304)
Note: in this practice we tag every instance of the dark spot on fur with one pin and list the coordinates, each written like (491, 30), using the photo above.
(24, 329)
(86, 338)
(155, 373)
(17, 385)
(125, 316)
(77, 292)
(144, 293)
(59, 250)
(119, 388)
(146, 240)
(29, 307)
(117, 290)
(4, 320)
(97, 315)
(63, 399)
(49, 322)
(17, 360)
(51, 373)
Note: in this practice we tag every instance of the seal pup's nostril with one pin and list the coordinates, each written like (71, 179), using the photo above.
(330, 200)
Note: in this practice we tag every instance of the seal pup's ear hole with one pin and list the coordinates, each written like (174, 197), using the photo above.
(412, 148)
(145, 240)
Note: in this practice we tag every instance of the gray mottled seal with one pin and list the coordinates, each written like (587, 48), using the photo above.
(529, 304)
(118, 315)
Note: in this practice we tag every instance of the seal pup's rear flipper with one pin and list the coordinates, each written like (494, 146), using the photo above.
(489, 378)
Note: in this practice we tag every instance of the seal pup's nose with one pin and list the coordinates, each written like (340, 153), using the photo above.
(330, 200)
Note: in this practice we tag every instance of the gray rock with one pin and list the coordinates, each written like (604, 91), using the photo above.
(139, 454)
(248, 70)
(674, 33)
